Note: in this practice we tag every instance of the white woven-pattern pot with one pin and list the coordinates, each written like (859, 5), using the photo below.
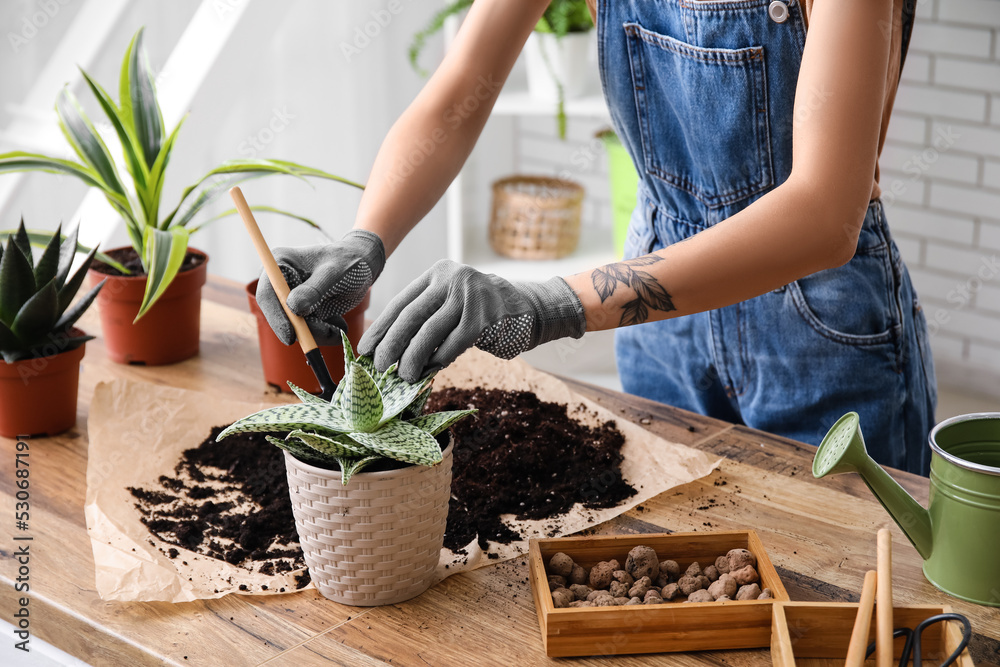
(377, 540)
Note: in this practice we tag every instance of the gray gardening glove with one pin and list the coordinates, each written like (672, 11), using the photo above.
(325, 281)
(452, 307)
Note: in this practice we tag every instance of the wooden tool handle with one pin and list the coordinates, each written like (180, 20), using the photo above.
(883, 609)
(863, 622)
(306, 340)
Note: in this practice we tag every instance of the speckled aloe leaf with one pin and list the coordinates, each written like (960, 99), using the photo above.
(335, 446)
(403, 442)
(350, 467)
(299, 451)
(397, 394)
(416, 408)
(360, 402)
(439, 421)
(316, 418)
(305, 396)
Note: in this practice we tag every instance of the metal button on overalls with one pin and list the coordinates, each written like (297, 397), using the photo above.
(778, 11)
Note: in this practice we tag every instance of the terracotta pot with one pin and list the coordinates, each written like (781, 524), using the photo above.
(167, 333)
(286, 363)
(377, 540)
(38, 396)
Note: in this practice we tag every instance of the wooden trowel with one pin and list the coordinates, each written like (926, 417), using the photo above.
(314, 357)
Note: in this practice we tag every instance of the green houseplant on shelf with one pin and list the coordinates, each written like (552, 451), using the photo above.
(41, 347)
(366, 471)
(555, 54)
(151, 309)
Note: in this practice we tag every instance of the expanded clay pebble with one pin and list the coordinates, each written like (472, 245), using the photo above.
(722, 564)
(688, 584)
(739, 558)
(670, 591)
(661, 580)
(600, 575)
(580, 603)
(621, 600)
(724, 586)
(623, 576)
(640, 588)
(581, 591)
(605, 601)
(722, 598)
(703, 581)
(592, 596)
(748, 592)
(711, 572)
(561, 597)
(561, 564)
(694, 569)
(652, 597)
(579, 575)
(672, 569)
(618, 589)
(765, 595)
(642, 561)
(745, 575)
(555, 581)
(701, 596)
(634, 601)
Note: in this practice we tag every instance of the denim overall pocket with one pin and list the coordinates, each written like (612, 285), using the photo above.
(702, 116)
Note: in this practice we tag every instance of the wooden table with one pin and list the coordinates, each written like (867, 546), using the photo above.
(819, 534)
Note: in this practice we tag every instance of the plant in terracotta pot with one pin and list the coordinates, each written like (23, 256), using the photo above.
(370, 441)
(41, 347)
(151, 309)
(556, 51)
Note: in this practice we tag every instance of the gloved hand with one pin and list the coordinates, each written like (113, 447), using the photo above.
(325, 281)
(452, 307)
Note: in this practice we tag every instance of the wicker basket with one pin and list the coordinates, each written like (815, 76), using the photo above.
(377, 540)
(535, 217)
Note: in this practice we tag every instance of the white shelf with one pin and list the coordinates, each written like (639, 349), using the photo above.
(521, 103)
(595, 249)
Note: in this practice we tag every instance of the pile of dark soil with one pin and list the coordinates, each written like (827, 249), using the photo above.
(129, 258)
(520, 456)
(228, 500)
(526, 457)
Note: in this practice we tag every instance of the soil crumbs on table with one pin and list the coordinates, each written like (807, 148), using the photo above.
(526, 457)
(228, 500)
(519, 456)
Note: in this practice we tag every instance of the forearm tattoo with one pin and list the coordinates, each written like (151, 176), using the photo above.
(649, 294)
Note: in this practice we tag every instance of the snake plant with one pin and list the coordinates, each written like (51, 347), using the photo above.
(36, 310)
(161, 243)
(371, 416)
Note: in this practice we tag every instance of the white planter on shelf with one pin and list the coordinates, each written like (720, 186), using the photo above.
(564, 59)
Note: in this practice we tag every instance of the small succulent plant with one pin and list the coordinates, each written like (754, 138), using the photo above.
(371, 416)
(37, 312)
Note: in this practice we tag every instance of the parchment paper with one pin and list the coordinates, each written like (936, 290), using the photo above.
(138, 431)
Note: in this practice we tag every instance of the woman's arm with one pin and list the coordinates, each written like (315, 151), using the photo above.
(809, 223)
(427, 146)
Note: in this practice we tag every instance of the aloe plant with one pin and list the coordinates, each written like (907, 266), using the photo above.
(372, 416)
(161, 243)
(36, 298)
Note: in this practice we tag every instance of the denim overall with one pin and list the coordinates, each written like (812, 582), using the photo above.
(701, 93)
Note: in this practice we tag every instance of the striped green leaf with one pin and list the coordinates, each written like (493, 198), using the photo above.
(147, 121)
(22, 161)
(439, 421)
(402, 442)
(165, 252)
(305, 396)
(157, 176)
(282, 418)
(398, 394)
(416, 408)
(360, 402)
(350, 467)
(331, 446)
(301, 452)
(86, 142)
(261, 209)
(130, 148)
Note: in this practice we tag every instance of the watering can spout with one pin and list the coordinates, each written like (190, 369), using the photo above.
(843, 450)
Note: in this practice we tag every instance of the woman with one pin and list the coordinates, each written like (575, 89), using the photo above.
(760, 283)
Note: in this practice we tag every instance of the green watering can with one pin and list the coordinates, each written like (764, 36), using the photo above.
(959, 535)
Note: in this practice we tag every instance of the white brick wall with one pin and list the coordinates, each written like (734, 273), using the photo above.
(942, 161)
(951, 237)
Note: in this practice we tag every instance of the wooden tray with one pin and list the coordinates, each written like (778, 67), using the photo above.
(670, 627)
(817, 633)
